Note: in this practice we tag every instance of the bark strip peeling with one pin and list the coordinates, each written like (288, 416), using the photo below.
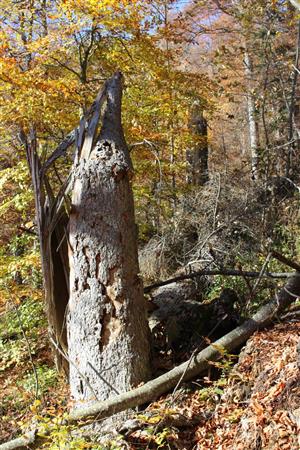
(107, 325)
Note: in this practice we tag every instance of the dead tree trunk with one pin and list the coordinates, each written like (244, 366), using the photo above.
(197, 157)
(51, 226)
(107, 325)
(199, 362)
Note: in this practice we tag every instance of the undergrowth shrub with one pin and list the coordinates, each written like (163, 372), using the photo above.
(46, 377)
(225, 225)
(18, 325)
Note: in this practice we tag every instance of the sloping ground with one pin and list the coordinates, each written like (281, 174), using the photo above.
(256, 407)
(260, 408)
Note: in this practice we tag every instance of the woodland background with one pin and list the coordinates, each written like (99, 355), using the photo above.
(212, 118)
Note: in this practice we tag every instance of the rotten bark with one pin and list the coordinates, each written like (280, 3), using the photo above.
(107, 325)
(188, 370)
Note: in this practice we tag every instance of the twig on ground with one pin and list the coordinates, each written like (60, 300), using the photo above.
(154, 388)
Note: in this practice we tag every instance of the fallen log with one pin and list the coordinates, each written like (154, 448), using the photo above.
(225, 272)
(190, 369)
(21, 442)
(198, 364)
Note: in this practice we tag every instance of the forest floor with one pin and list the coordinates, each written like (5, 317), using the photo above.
(251, 404)
(254, 406)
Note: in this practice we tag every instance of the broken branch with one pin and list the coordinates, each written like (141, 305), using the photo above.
(190, 369)
(226, 272)
(200, 362)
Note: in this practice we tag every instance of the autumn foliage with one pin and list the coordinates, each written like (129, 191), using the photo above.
(237, 64)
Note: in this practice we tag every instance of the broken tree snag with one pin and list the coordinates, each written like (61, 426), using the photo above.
(199, 363)
(191, 368)
(107, 325)
(54, 262)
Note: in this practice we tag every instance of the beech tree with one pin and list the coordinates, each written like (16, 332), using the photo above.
(107, 324)
(107, 346)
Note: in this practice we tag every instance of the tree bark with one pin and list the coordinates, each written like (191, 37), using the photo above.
(295, 3)
(197, 157)
(53, 260)
(293, 134)
(252, 120)
(107, 325)
(196, 365)
(200, 362)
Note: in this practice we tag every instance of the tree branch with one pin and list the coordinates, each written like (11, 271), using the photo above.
(225, 272)
(288, 262)
(59, 151)
(21, 442)
(201, 361)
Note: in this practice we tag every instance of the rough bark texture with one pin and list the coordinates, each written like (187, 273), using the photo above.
(107, 325)
(189, 369)
(200, 362)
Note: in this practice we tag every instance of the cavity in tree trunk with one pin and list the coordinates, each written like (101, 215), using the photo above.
(107, 325)
(252, 120)
(197, 157)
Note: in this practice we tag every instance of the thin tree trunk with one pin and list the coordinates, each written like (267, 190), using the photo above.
(253, 125)
(293, 112)
(107, 325)
(197, 157)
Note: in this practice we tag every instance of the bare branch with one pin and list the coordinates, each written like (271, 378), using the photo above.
(59, 151)
(225, 272)
(21, 442)
(288, 262)
(200, 362)
(190, 369)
